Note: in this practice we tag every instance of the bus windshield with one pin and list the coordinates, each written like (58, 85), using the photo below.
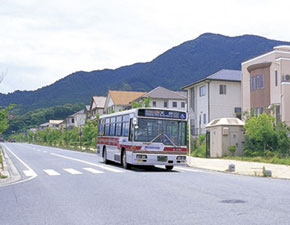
(168, 132)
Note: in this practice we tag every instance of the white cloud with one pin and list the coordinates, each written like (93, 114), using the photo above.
(43, 41)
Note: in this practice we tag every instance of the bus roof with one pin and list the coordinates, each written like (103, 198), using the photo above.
(134, 111)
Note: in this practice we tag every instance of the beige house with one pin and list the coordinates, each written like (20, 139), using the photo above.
(97, 106)
(120, 100)
(215, 96)
(266, 83)
(161, 97)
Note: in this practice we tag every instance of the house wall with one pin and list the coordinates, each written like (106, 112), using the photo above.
(160, 103)
(223, 105)
(201, 108)
(79, 120)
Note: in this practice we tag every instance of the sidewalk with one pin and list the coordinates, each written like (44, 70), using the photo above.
(9, 170)
(241, 167)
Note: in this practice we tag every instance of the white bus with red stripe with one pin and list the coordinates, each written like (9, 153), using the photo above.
(143, 136)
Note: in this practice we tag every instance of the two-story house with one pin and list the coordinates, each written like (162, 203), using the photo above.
(161, 97)
(266, 83)
(120, 100)
(97, 106)
(215, 96)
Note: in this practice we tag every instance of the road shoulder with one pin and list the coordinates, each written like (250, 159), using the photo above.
(9, 170)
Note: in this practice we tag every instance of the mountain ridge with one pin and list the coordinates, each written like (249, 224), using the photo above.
(182, 64)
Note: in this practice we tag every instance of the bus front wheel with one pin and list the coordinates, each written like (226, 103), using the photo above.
(124, 161)
(105, 160)
(168, 167)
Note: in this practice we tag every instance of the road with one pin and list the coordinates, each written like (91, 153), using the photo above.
(61, 187)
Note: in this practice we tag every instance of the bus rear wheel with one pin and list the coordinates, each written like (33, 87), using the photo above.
(125, 165)
(168, 168)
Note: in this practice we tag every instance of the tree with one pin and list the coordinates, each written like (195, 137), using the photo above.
(4, 117)
(90, 133)
(145, 103)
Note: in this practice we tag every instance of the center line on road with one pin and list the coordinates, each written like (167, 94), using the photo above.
(51, 172)
(72, 171)
(89, 163)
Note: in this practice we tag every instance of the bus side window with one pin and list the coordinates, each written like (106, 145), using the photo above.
(131, 130)
(107, 127)
(125, 126)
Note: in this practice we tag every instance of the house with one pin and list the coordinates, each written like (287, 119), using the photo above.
(161, 97)
(51, 123)
(215, 96)
(87, 111)
(43, 126)
(79, 118)
(97, 106)
(266, 83)
(120, 100)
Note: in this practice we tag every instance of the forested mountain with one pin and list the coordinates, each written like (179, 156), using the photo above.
(173, 69)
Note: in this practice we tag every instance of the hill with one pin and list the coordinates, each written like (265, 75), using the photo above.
(183, 64)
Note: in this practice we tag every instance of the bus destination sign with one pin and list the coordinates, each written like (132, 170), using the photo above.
(162, 114)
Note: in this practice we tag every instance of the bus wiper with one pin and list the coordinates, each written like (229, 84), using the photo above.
(170, 140)
(155, 138)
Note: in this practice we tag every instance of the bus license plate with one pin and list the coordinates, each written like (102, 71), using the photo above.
(162, 158)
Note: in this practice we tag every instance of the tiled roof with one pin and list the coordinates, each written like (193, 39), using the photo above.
(164, 93)
(224, 74)
(124, 97)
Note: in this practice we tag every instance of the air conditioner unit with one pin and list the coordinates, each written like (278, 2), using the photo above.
(286, 78)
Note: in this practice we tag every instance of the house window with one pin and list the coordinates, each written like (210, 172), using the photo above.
(182, 104)
(72, 120)
(192, 98)
(254, 83)
(262, 81)
(223, 89)
(202, 91)
(257, 81)
(165, 104)
(276, 78)
(174, 104)
(204, 118)
(262, 110)
(154, 104)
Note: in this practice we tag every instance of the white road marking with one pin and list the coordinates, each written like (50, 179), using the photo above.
(72, 171)
(92, 170)
(45, 151)
(89, 163)
(187, 169)
(51, 172)
(29, 173)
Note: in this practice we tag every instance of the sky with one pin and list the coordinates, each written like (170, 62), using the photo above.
(42, 41)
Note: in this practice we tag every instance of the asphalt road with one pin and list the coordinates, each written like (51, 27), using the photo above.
(65, 187)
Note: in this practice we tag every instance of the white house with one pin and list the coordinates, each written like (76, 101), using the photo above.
(161, 97)
(216, 96)
(79, 118)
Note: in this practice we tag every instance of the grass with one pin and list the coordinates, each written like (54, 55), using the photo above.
(273, 160)
(1, 163)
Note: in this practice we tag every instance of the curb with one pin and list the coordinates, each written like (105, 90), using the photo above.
(9, 170)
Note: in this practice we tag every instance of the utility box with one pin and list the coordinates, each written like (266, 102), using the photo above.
(225, 132)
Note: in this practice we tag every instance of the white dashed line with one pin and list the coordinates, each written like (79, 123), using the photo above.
(91, 164)
(29, 173)
(51, 172)
(93, 170)
(72, 171)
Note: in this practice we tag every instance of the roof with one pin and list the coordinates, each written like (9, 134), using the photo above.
(80, 112)
(225, 122)
(164, 93)
(98, 101)
(44, 125)
(55, 122)
(221, 75)
(124, 97)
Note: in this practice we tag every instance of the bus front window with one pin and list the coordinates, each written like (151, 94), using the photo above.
(168, 132)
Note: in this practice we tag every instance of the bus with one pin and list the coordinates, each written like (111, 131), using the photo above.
(143, 136)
